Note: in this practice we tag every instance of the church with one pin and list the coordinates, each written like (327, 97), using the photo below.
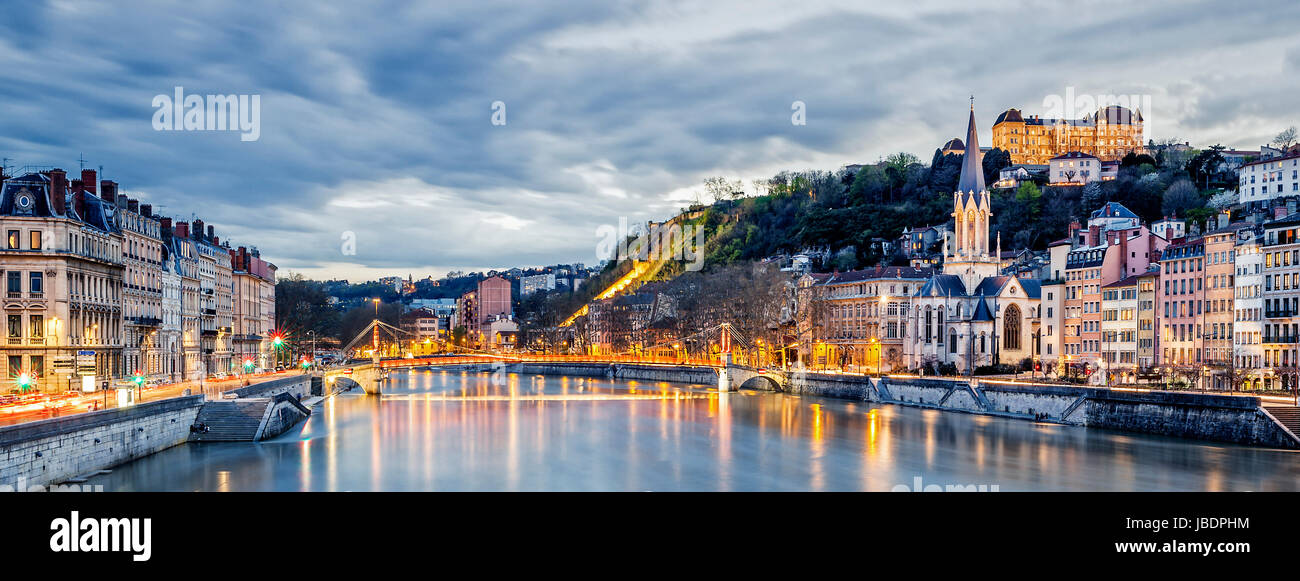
(971, 315)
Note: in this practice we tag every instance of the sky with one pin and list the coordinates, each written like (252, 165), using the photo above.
(421, 138)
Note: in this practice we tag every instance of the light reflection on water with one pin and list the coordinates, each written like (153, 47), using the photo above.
(447, 430)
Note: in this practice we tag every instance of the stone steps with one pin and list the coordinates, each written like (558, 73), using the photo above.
(230, 421)
(1287, 415)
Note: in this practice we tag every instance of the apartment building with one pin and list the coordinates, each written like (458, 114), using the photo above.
(63, 269)
(862, 317)
(1248, 304)
(1182, 306)
(1281, 296)
(1119, 330)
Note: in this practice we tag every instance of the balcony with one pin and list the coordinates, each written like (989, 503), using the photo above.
(1271, 314)
(1286, 339)
(144, 321)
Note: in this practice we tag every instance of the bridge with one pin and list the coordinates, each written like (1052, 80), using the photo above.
(711, 347)
(370, 377)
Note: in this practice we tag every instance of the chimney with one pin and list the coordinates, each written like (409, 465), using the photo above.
(1123, 253)
(107, 191)
(1094, 235)
(146, 210)
(212, 233)
(78, 198)
(198, 229)
(59, 191)
(132, 205)
(215, 241)
(88, 180)
(182, 230)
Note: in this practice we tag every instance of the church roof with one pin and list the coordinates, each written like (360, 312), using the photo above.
(994, 285)
(972, 171)
(982, 312)
(954, 143)
(943, 285)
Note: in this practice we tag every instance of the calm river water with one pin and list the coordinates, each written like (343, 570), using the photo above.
(448, 430)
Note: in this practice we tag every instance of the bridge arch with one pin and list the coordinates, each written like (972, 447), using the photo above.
(761, 383)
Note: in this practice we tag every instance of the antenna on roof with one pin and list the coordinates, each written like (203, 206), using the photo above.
(82, 161)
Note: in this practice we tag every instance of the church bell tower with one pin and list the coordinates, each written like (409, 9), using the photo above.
(971, 257)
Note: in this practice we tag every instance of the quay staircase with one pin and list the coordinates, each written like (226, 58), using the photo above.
(1287, 415)
(230, 421)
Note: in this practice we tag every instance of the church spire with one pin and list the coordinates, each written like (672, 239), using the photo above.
(972, 168)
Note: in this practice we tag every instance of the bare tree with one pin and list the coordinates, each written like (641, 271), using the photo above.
(721, 188)
(1286, 139)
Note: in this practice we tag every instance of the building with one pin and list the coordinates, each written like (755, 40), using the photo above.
(1169, 228)
(253, 315)
(494, 299)
(1261, 182)
(970, 316)
(1108, 134)
(186, 259)
(171, 332)
(531, 284)
(421, 324)
(216, 310)
(1248, 302)
(1014, 175)
(1052, 321)
(1281, 293)
(142, 291)
(63, 267)
(1148, 320)
(860, 317)
(1220, 309)
(1182, 310)
(1119, 331)
(1073, 169)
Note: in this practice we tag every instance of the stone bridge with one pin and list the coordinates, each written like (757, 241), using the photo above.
(741, 376)
(366, 376)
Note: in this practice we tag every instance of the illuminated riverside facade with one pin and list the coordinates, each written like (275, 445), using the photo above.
(95, 288)
(1108, 134)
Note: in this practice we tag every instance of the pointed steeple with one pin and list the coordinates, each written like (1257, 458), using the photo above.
(972, 167)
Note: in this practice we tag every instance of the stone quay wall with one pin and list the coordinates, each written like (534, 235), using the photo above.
(54, 450)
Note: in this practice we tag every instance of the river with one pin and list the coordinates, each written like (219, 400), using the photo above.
(440, 430)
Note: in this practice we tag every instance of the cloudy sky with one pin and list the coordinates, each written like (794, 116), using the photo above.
(376, 118)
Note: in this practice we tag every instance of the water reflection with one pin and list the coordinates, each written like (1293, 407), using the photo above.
(448, 430)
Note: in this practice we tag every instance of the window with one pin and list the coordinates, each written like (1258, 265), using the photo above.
(36, 239)
(15, 282)
(36, 327)
(14, 240)
(35, 286)
(15, 326)
(1012, 328)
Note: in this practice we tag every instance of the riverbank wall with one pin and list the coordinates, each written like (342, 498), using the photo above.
(55, 450)
(1232, 419)
(1221, 418)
